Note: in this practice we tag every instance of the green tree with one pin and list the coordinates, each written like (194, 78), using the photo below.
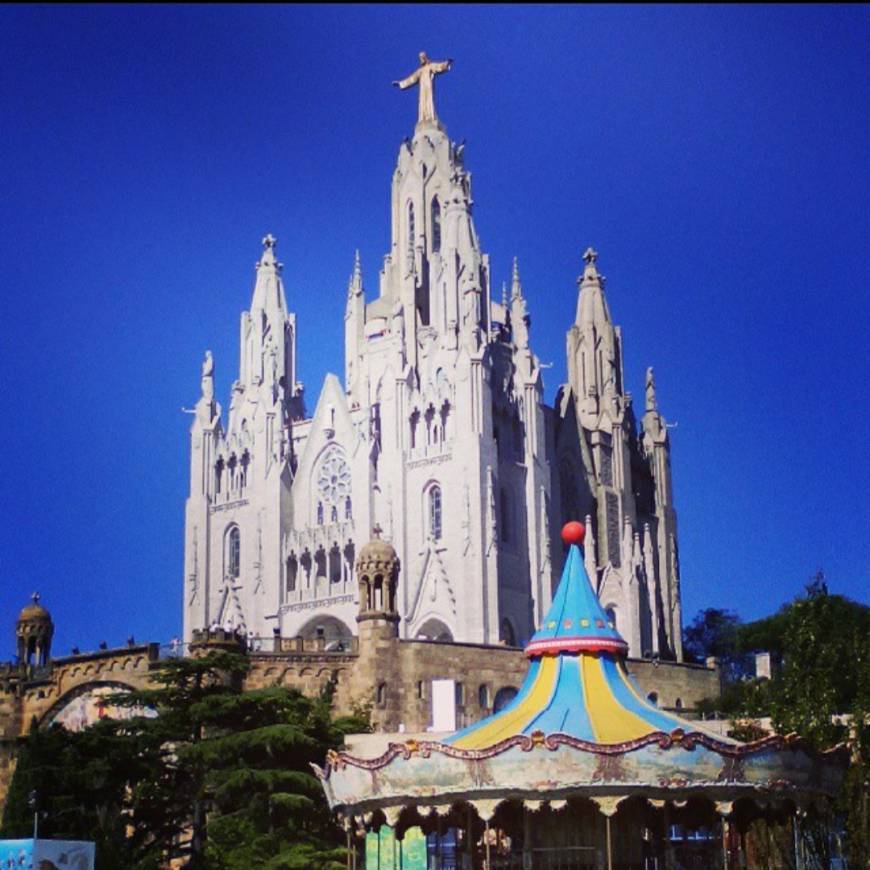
(713, 632)
(77, 784)
(219, 778)
(821, 691)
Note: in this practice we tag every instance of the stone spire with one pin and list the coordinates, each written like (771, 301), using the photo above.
(269, 288)
(355, 284)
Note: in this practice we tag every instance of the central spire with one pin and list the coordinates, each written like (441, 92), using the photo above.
(424, 76)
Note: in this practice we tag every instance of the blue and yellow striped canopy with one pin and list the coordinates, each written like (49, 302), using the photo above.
(577, 683)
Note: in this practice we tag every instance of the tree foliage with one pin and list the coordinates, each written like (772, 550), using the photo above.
(821, 690)
(219, 778)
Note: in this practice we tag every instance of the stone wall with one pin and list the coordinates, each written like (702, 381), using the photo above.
(390, 676)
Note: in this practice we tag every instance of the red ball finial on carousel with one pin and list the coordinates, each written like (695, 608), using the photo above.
(574, 533)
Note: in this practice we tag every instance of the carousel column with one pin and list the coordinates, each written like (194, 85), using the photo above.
(725, 808)
(486, 810)
(608, 806)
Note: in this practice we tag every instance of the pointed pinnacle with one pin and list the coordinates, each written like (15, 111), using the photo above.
(516, 285)
(504, 294)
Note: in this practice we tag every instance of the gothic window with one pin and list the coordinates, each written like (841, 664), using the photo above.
(333, 482)
(429, 417)
(292, 569)
(320, 562)
(245, 464)
(434, 499)
(611, 615)
(436, 225)
(232, 465)
(218, 473)
(334, 564)
(320, 513)
(415, 419)
(382, 695)
(233, 552)
(445, 416)
(349, 551)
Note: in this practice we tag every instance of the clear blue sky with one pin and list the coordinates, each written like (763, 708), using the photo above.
(717, 157)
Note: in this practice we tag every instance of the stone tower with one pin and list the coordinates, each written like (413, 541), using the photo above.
(33, 633)
(619, 480)
(238, 505)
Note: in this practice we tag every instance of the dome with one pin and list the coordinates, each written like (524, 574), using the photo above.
(377, 551)
(34, 612)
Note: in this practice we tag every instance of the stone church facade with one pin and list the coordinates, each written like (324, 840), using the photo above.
(439, 435)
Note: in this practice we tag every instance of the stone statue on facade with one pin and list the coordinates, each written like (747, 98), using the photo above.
(208, 377)
(424, 76)
(651, 404)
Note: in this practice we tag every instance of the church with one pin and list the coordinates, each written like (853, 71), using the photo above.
(438, 436)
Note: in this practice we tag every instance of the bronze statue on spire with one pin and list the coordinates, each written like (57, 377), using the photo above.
(424, 75)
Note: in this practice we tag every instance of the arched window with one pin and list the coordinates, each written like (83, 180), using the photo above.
(348, 511)
(233, 552)
(679, 703)
(483, 697)
(436, 225)
(333, 514)
(382, 694)
(653, 697)
(320, 513)
(435, 513)
(610, 611)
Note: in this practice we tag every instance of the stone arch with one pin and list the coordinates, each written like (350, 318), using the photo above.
(78, 692)
(335, 633)
(434, 629)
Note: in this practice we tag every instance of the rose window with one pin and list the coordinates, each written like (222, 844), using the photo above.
(333, 481)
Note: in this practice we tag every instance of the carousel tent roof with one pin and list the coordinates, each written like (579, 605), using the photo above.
(577, 683)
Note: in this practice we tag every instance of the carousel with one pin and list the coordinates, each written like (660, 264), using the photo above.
(580, 770)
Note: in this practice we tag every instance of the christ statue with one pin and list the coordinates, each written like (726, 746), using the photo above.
(423, 75)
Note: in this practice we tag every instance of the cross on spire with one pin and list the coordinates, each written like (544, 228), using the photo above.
(269, 241)
(591, 255)
(35, 597)
(376, 531)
